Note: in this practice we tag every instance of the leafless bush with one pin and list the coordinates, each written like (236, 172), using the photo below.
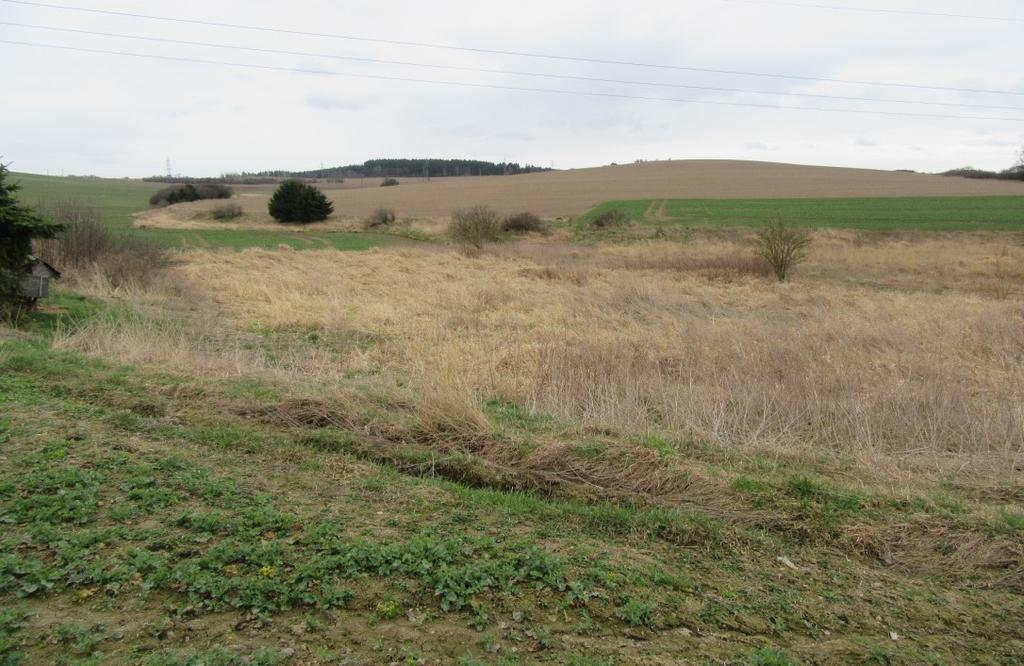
(133, 261)
(88, 245)
(475, 226)
(228, 211)
(84, 238)
(381, 217)
(522, 223)
(782, 246)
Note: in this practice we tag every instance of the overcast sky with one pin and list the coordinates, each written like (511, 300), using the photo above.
(111, 115)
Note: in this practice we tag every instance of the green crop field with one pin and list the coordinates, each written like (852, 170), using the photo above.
(118, 200)
(999, 213)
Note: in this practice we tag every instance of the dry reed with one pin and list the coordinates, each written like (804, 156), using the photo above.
(912, 378)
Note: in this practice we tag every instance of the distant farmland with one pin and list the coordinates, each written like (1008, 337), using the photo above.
(689, 193)
(904, 213)
(574, 192)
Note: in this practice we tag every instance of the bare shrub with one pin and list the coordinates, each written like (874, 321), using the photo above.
(783, 246)
(133, 261)
(609, 218)
(475, 226)
(227, 211)
(522, 223)
(84, 238)
(382, 217)
(87, 246)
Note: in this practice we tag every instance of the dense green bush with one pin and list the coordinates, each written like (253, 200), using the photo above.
(475, 226)
(389, 182)
(522, 223)
(180, 192)
(295, 201)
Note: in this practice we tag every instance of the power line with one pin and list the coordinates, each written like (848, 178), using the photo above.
(464, 84)
(870, 10)
(522, 54)
(506, 72)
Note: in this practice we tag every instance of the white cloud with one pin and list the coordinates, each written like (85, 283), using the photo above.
(334, 102)
(116, 115)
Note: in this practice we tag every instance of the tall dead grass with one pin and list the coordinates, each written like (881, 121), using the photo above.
(191, 341)
(831, 366)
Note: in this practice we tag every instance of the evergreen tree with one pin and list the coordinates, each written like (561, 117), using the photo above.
(19, 225)
(295, 201)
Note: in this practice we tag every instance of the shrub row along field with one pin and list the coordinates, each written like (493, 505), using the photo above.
(895, 213)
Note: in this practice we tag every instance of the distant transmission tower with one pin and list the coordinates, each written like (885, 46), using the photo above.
(168, 164)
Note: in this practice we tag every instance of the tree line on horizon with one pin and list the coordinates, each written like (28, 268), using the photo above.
(376, 168)
(419, 168)
(1016, 172)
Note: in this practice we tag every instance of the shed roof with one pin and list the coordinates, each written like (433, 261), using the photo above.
(36, 261)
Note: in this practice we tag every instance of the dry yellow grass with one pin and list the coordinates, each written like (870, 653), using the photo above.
(899, 357)
(568, 193)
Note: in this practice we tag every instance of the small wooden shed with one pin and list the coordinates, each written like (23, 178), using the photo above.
(35, 283)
